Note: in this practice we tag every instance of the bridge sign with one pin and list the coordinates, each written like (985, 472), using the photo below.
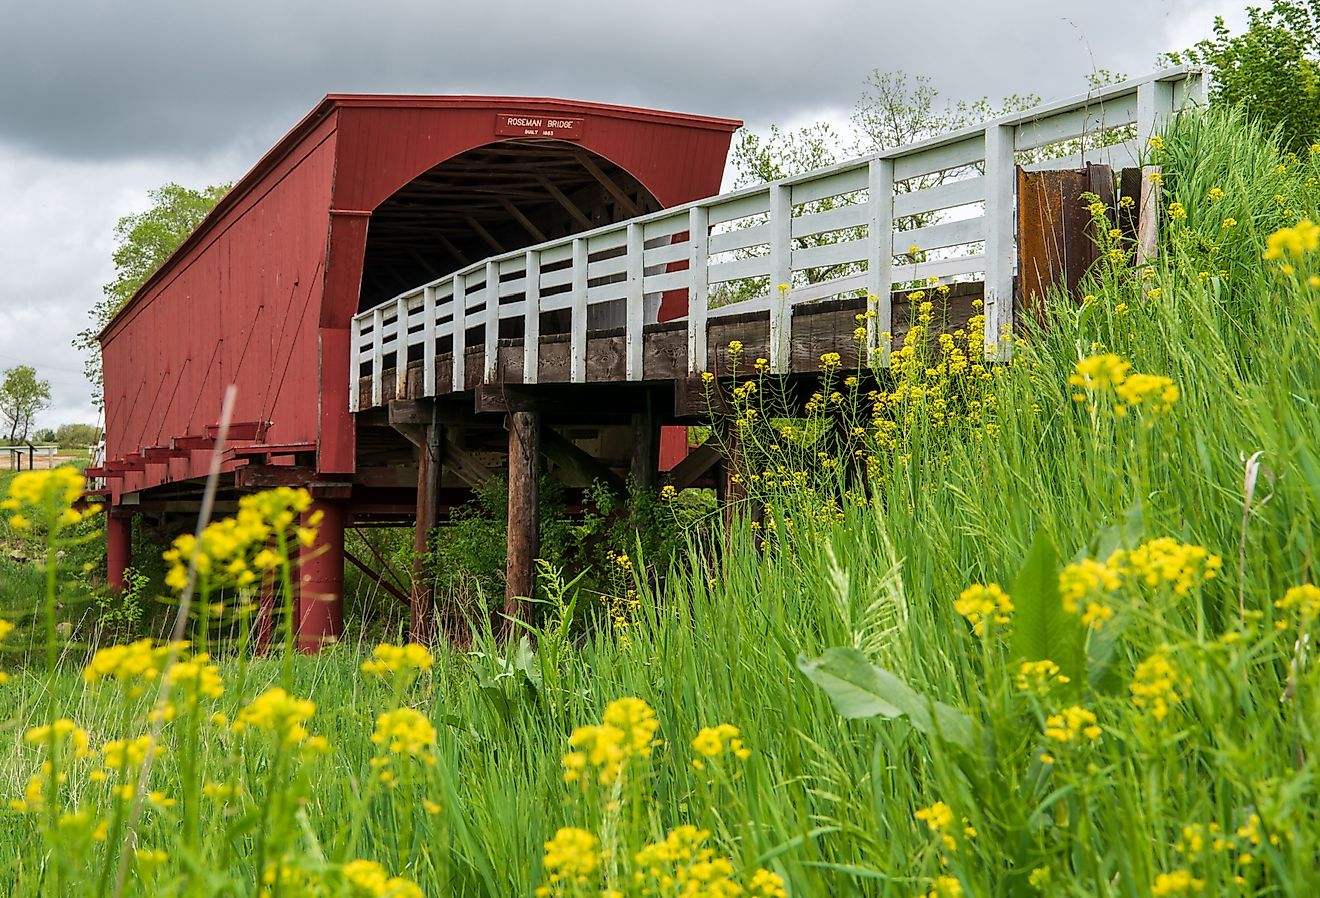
(538, 125)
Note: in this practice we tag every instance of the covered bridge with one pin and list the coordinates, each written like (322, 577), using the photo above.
(366, 196)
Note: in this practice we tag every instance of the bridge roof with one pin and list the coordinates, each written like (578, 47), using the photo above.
(331, 103)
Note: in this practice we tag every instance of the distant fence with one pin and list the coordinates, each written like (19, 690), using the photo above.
(822, 234)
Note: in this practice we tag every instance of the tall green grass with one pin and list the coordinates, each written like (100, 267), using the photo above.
(826, 802)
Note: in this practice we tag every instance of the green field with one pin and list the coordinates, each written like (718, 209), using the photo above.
(1153, 540)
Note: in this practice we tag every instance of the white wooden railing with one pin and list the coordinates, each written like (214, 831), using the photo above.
(779, 232)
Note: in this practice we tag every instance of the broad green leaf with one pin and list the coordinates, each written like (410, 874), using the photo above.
(860, 689)
(1041, 628)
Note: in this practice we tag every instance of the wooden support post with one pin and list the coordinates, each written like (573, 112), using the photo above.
(524, 520)
(321, 580)
(733, 490)
(1056, 233)
(118, 548)
(645, 469)
(421, 603)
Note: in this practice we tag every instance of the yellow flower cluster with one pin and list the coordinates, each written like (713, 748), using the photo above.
(1153, 391)
(64, 736)
(275, 711)
(1304, 599)
(46, 497)
(1087, 587)
(681, 864)
(404, 733)
(945, 887)
(133, 665)
(1165, 561)
(127, 755)
(571, 857)
(371, 879)
(1296, 241)
(1039, 676)
(195, 678)
(983, 603)
(627, 731)
(1072, 724)
(1178, 882)
(235, 551)
(1155, 685)
(1108, 374)
(398, 661)
(712, 742)
(940, 820)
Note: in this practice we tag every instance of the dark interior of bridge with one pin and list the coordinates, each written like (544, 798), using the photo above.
(491, 200)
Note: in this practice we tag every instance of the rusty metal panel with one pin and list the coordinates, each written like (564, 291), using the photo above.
(1056, 232)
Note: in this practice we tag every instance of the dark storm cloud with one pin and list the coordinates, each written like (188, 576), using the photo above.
(92, 79)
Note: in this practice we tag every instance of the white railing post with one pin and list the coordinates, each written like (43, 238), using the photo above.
(400, 347)
(781, 278)
(428, 349)
(699, 289)
(1154, 107)
(377, 354)
(879, 263)
(459, 323)
(577, 342)
(492, 352)
(354, 363)
(635, 313)
(532, 317)
(1000, 175)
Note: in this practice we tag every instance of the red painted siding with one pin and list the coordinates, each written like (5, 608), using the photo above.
(263, 294)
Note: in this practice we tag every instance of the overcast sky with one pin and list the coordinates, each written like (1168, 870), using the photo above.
(101, 101)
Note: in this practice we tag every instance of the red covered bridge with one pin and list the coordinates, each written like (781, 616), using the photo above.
(368, 195)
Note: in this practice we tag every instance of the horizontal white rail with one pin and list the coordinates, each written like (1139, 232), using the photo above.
(849, 229)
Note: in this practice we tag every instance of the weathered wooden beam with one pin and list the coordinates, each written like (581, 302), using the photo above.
(465, 466)
(375, 576)
(644, 470)
(625, 202)
(564, 453)
(564, 201)
(484, 234)
(524, 517)
(536, 233)
(696, 464)
(421, 602)
(451, 249)
(266, 477)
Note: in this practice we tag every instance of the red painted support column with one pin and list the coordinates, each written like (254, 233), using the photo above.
(321, 581)
(118, 548)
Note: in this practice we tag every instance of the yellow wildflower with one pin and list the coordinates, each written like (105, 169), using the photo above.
(1071, 725)
(275, 711)
(981, 604)
(1297, 241)
(1155, 685)
(371, 879)
(401, 661)
(572, 856)
(714, 741)
(1305, 599)
(1039, 676)
(406, 732)
(1178, 882)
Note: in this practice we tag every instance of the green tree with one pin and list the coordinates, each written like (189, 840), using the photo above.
(143, 241)
(77, 436)
(1272, 69)
(22, 395)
